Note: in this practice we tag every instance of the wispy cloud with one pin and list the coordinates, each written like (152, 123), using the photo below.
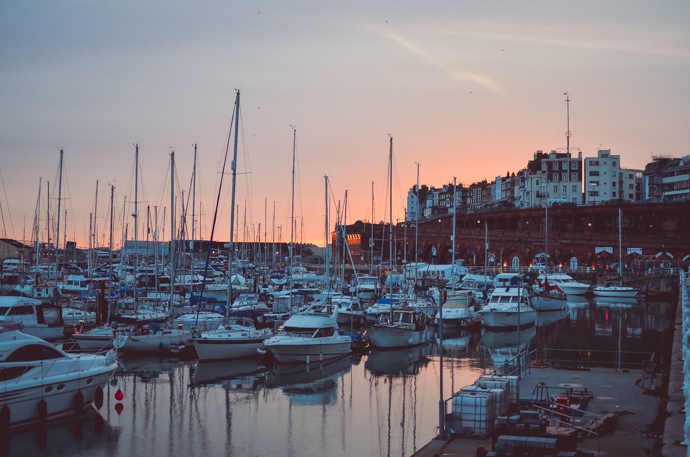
(427, 56)
(595, 36)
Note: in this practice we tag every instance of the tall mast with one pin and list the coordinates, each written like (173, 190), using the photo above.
(326, 234)
(452, 268)
(567, 133)
(95, 238)
(57, 235)
(620, 244)
(191, 245)
(416, 231)
(38, 225)
(371, 240)
(390, 217)
(345, 234)
(173, 254)
(110, 255)
(233, 165)
(136, 225)
(292, 211)
(273, 237)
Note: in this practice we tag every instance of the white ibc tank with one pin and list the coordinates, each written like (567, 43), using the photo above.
(499, 381)
(501, 397)
(476, 411)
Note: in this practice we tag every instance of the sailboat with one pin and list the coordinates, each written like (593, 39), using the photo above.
(617, 290)
(549, 297)
(153, 337)
(243, 333)
(403, 327)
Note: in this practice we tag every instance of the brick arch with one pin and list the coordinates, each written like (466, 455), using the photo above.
(445, 255)
(565, 257)
(509, 254)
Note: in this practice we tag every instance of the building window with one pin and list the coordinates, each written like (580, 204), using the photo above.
(613, 184)
(565, 190)
(573, 176)
(555, 165)
(555, 177)
(630, 197)
(594, 183)
(573, 166)
(594, 172)
(536, 182)
(574, 189)
(564, 177)
(555, 189)
(613, 194)
(544, 166)
(594, 163)
(630, 186)
(613, 164)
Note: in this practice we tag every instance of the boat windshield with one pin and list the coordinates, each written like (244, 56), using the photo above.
(33, 352)
(309, 332)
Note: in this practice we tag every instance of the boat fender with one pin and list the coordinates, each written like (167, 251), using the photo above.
(79, 402)
(409, 340)
(261, 351)
(42, 410)
(98, 397)
(5, 418)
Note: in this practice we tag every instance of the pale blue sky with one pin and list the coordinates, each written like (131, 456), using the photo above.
(468, 89)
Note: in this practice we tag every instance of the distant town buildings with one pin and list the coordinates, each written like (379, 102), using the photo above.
(563, 178)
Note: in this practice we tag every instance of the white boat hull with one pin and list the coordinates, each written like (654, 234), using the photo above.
(616, 291)
(542, 303)
(219, 349)
(509, 318)
(573, 289)
(160, 341)
(387, 337)
(289, 349)
(64, 394)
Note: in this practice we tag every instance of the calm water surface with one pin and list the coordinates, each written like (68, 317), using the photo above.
(378, 403)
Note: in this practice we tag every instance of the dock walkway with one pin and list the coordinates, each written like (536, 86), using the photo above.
(615, 392)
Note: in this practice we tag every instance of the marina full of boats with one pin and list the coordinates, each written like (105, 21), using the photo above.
(189, 403)
(315, 320)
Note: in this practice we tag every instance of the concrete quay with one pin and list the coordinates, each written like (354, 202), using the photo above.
(627, 394)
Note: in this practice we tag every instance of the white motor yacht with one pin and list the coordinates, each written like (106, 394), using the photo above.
(509, 308)
(309, 337)
(41, 382)
(566, 283)
(32, 317)
(616, 291)
(241, 335)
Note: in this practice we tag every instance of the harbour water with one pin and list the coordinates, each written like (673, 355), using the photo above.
(379, 403)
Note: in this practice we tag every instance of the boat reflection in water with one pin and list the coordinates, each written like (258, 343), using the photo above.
(503, 347)
(546, 319)
(230, 372)
(621, 302)
(147, 367)
(396, 362)
(79, 434)
(311, 383)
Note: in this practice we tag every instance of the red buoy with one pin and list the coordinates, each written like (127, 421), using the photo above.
(119, 395)
(119, 407)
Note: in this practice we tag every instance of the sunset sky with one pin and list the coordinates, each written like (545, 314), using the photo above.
(466, 89)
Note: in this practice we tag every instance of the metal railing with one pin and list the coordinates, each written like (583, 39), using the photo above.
(587, 358)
